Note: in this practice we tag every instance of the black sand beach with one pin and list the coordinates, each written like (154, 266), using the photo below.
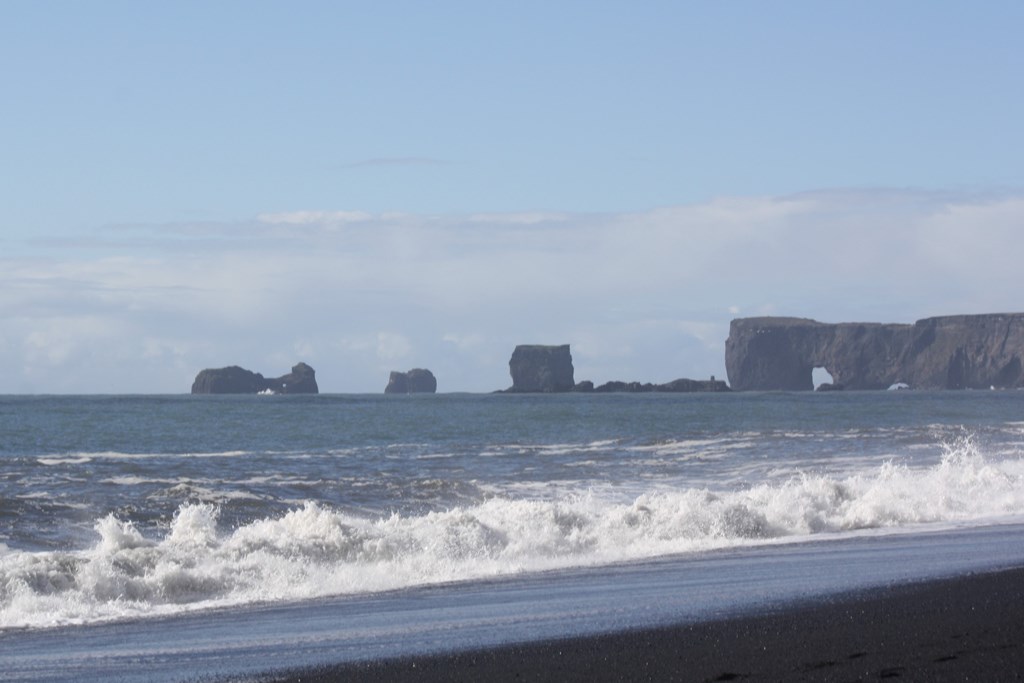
(969, 628)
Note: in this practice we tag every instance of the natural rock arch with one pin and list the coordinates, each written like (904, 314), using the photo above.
(236, 380)
(951, 352)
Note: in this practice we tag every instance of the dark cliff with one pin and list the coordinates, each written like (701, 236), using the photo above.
(415, 381)
(236, 380)
(951, 352)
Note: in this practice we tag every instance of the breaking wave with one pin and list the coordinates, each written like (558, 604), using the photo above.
(314, 551)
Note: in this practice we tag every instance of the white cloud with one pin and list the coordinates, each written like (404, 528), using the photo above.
(305, 349)
(644, 295)
(525, 218)
(174, 350)
(974, 239)
(356, 344)
(464, 342)
(392, 346)
(56, 341)
(315, 217)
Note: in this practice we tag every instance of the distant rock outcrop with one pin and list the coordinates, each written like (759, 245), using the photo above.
(415, 381)
(236, 380)
(675, 386)
(541, 369)
(950, 352)
(548, 369)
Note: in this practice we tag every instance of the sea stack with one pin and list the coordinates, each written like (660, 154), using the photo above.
(236, 380)
(541, 369)
(415, 381)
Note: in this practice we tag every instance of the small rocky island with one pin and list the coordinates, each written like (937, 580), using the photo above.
(236, 380)
(415, 381)
(548, 369)
(681, 385)
(540, 369)
(949, 352)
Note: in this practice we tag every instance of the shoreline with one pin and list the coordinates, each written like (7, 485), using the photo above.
(967, 627)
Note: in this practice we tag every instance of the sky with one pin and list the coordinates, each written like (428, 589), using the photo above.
(369, 187)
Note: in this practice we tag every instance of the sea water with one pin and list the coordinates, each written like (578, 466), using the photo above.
(141, 509)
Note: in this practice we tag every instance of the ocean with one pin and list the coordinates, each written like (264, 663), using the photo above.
(187, 537)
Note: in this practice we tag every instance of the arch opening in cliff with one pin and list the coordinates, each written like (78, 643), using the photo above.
(821, 377)
(948, 352)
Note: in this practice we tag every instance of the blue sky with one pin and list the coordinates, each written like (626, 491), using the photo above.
(377, 186)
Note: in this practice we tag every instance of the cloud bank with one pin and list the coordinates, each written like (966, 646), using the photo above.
(640, 296)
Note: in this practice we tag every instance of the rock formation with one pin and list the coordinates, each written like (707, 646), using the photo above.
(415, 381)
(675, 386)
(950, 352)
(236, 380)
(548, 369)
(541, 369)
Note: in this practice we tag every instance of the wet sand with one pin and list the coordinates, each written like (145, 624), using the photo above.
(969, 628)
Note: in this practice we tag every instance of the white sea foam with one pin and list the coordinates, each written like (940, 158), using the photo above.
(78, 460)
(34, 495)
(314, 551)
(82, 458)
(550, 449)
(134, 480)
